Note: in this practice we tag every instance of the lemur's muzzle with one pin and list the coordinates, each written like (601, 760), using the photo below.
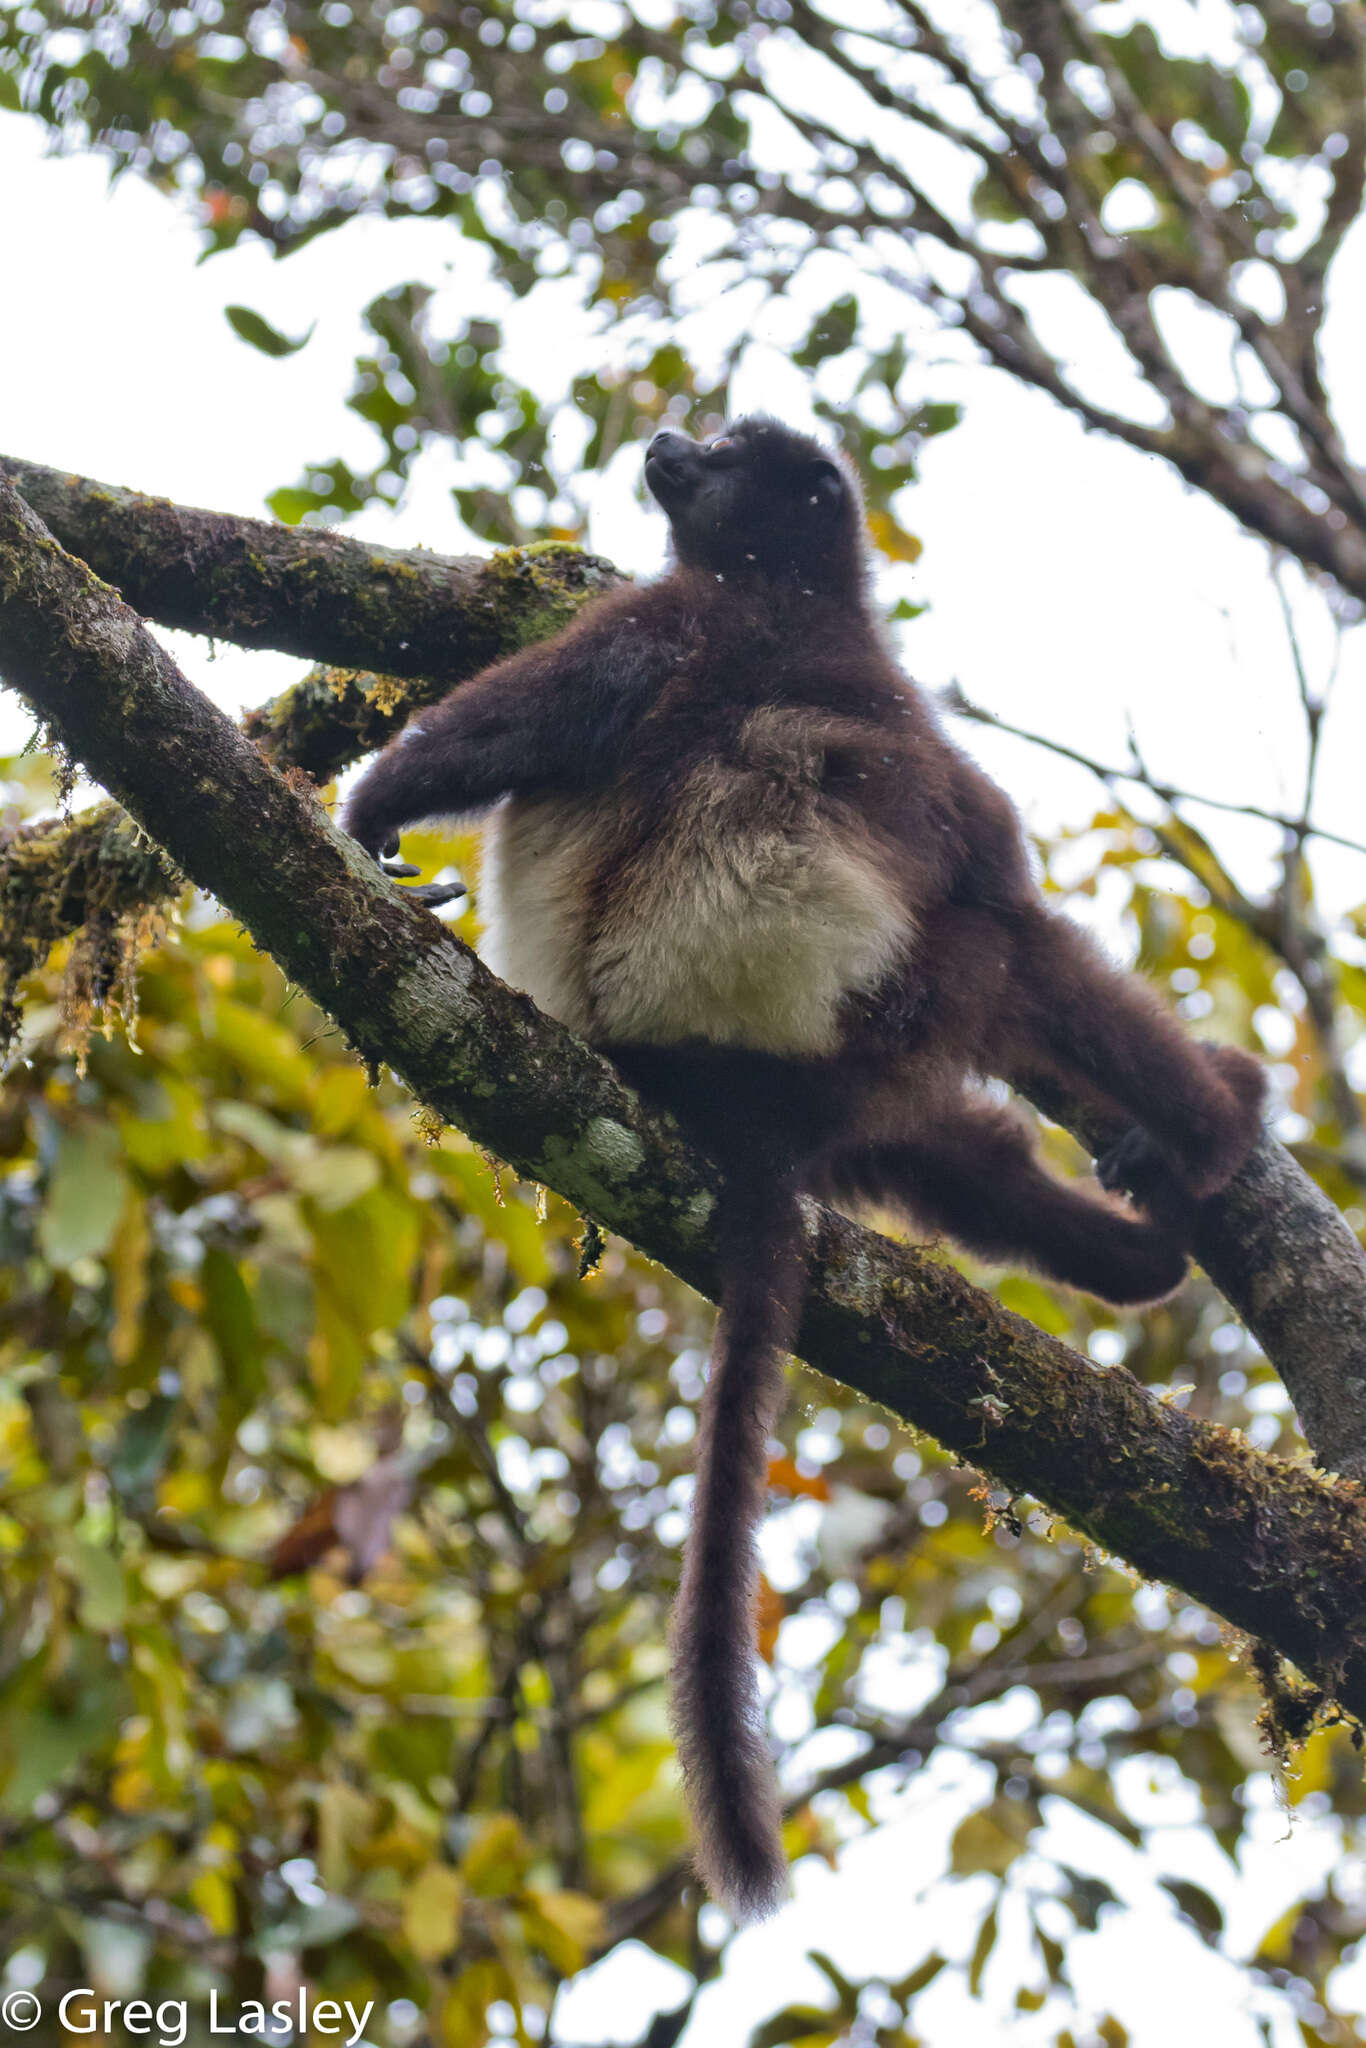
(673, 465)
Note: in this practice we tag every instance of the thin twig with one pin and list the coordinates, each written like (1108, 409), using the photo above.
(954, 700)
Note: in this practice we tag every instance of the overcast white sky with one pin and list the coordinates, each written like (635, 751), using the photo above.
(1073, 586)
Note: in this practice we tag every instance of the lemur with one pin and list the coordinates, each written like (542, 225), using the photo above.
(731, 846)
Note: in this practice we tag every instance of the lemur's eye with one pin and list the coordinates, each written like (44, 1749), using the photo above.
(824, 483)
(726, 447)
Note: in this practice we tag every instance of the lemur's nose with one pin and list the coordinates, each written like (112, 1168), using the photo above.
(669, 447)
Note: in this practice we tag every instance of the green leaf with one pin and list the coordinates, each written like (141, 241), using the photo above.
(143, 1445)
(86, 1192)
(254, 328)
(104, 1593)
(796, 2026)
(908, 1987)
(846, 1992)
(1204, 1912)
(363, 1269)
(232, 1322)
(988, 1841)
(1087, 1896)
(832, 332)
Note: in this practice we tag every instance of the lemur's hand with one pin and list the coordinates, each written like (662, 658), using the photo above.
(432, 894)
(384, 853)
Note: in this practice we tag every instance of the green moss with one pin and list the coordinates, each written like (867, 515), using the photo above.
(94, 876)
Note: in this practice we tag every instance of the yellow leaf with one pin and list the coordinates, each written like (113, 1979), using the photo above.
(132, 1790)
(431, 1912)
(168, 1129)
(263, 1049)
(892, 539)
(565, 1926)
(497, 1858)
(344, 1817)
(128, 1272)
(212, 1895)
(1311, 1769)
(464, 2016)
(340, 1096)
(631, 1774)
(337, 1177)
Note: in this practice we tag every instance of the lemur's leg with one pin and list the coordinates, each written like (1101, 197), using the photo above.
(972, 1172)
(757, 1113)
(1079, 1018)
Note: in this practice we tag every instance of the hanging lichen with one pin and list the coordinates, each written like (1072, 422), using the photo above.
(95, 876)
(430, 1126)
(99, 979)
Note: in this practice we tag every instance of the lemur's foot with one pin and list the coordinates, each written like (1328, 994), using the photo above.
(1138, 1167)
(1169, 1183)
(1235, 1129)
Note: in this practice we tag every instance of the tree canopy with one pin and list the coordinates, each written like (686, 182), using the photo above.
(1179, 188)
(345, 1470)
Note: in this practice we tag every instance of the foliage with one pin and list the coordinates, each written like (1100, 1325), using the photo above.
(341, 1519)
(1191, 176)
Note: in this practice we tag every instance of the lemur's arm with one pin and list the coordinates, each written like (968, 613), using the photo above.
(552, 717)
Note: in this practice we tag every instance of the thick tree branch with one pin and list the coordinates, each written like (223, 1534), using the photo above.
(304, 590)
(433, 620)
(1277, 1549)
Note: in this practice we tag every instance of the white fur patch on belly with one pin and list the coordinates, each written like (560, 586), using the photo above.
(535, 876)
(744, 918)
(749, 944)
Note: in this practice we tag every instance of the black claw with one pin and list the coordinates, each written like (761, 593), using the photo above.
(389, 847)
(434, 894)
(398, 870)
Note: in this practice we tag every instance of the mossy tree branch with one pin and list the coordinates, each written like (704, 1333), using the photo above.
(1279, 1550)
(412, 624)
(307, 591)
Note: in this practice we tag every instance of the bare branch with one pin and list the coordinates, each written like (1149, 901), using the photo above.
(1169, 792)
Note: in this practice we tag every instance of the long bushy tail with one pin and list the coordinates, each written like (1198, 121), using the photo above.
(717, 1713)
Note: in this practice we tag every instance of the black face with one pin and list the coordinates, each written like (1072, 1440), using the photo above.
(758, 498)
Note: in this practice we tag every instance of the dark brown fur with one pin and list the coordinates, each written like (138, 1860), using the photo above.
(740, 854)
